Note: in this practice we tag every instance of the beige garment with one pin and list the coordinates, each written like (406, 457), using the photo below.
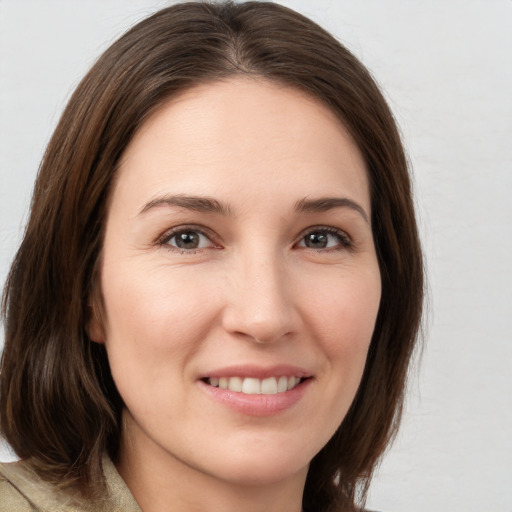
(21, 490)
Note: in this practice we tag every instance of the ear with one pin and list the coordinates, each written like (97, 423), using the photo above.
(95, 324)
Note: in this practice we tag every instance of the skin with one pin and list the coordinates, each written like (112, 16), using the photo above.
(256, 291)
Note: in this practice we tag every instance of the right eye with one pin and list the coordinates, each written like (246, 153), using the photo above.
(187, 240)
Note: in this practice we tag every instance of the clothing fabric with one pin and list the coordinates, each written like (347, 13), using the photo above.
(22, 490)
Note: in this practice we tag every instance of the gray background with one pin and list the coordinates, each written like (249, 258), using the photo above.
(446, 68)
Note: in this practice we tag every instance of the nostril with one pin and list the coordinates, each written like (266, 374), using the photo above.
(261, 310)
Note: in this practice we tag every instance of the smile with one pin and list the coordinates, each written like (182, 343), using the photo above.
(254, 386)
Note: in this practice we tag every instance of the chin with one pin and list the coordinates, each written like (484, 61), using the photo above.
(248, 472)
(261, 464)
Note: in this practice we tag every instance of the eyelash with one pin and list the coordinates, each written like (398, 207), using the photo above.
(169, 235)
(344, 239)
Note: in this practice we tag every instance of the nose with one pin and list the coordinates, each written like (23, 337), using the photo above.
(261, 304)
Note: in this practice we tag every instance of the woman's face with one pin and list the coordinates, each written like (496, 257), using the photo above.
(240, 281)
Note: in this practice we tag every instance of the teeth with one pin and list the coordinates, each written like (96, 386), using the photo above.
(235, 384)
(282, 385)
(252, 386)
(269, 386)
(292, 382)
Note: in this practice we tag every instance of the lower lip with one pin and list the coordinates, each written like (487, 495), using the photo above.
(257, 405)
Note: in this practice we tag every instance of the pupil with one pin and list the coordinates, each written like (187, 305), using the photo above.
(187, 240)
(316, 240)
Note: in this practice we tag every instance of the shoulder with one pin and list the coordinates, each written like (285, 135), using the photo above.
(23, 490)
(20, 488)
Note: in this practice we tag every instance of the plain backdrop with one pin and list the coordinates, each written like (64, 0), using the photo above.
(446, 69)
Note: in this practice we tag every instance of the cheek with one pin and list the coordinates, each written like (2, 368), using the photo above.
(344, 308)
(342, 316)
(153, 328)
(152, 316)
(340, 313)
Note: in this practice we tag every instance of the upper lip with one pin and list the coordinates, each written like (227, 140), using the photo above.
(259, 372)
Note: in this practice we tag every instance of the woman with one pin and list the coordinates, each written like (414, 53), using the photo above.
(220, 285)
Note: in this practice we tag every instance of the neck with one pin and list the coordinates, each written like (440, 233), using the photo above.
(160, 482)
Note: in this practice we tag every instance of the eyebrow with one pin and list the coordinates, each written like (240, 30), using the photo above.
(324, 204)
(195, 203)
(206, 204)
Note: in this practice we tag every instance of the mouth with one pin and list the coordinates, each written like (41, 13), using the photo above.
(257, 391)
(255, 386)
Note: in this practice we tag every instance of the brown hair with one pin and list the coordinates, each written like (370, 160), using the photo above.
(59, 405)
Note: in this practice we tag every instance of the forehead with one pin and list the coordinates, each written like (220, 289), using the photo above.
(244, 133)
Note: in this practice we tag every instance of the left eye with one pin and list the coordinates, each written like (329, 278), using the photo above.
(323, 240)
(189, 240)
